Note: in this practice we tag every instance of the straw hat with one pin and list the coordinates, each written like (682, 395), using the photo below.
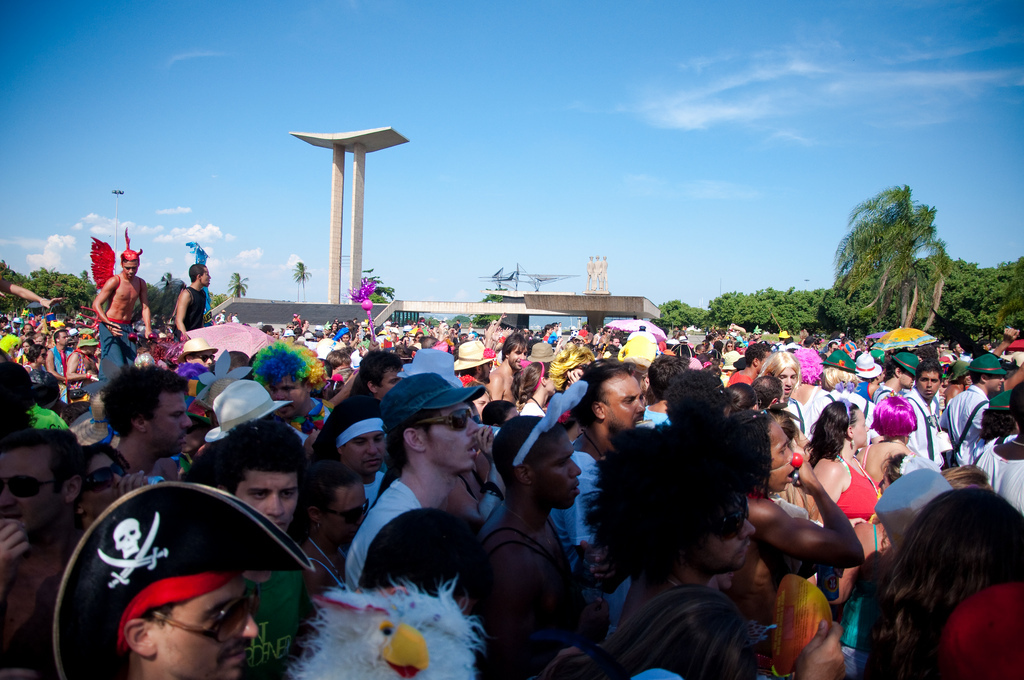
(196, 345)
(471, 354)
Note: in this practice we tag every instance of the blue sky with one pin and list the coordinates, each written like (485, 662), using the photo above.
(697, 145)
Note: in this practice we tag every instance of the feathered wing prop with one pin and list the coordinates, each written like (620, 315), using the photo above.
(102, 261)
(362, 295)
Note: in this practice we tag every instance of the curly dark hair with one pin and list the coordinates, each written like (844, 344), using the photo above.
(961, 543)
(829, 432)
(995, 423)
(696, 468)
(263, 445)
(136, 392)
(697, 386)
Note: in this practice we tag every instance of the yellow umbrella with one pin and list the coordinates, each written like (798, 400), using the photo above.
(903, 338)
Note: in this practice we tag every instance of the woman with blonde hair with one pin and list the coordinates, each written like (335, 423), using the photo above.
(785, 367)
(569, 364)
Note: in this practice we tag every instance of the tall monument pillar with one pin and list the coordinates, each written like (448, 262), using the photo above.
(359, 143)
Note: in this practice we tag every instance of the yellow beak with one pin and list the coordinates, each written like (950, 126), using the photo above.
(406, 651)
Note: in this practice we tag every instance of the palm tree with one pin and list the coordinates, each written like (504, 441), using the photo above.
(892, 236)
(300, 275)
(237, 286)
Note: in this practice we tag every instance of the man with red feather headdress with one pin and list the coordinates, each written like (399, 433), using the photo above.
(121, 291)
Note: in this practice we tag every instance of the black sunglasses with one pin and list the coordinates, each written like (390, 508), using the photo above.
(456, 421)
(102, 477)
(732, 523)
(351, 516)
(228, 622)
(22, 486)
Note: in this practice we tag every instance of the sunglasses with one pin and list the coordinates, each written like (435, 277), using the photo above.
(23, 486)
(353, 515)
(229, 621)
(101, 478)
(732, 523)
(456, 421)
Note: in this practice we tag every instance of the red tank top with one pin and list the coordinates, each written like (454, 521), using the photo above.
(858, 501)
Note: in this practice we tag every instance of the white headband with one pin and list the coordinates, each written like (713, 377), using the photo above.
(356, 429)
(559, 404)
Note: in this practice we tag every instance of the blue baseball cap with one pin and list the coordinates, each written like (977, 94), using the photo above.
(419, 393)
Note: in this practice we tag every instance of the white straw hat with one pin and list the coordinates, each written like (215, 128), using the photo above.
(240, 402)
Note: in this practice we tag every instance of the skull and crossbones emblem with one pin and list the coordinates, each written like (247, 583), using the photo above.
(126, 539)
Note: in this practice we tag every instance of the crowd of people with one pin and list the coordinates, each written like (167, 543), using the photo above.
(586, 502)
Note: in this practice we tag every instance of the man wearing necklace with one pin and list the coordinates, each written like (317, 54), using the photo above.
(431, 440)
(532, 580)
(262, 462)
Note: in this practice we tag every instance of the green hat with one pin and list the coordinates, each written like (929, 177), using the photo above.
(878, 354)
(1000, 402)
(988, 364)
(841, 360)
(907, 361)
(88, 342)
(958, 370)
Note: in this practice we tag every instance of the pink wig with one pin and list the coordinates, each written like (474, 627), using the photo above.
(894, 417)
(810, 365)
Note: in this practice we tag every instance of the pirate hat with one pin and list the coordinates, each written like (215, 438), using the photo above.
(988, 364)
(164, 531)
(841, 360)
(907, 361)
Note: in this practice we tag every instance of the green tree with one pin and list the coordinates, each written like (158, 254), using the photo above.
(676, 314)
(382, 294)
(890, 233)
(1013, 294)
(218, 298)
(486, 319)
(237, 286)
(300, 275)
(77, 291)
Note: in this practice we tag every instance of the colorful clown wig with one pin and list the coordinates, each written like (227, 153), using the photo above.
(281, 360)
(894, 417)
(810, 365)
(778, 362)
(570, 358)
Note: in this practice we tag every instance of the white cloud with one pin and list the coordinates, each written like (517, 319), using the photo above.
(229, 237)
(248, 257)
(293, 260)
(174, 211)
(50, 258)
(196, 232)
(166, 262)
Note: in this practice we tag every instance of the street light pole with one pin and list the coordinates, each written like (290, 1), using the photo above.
(117, 195)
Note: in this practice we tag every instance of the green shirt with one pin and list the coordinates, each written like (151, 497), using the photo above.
(45, 419)
(284, 605)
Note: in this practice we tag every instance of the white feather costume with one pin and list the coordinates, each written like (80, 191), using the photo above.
(378, 635)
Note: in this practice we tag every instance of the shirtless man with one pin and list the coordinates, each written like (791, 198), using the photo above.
(42, 473)
(777, 534)
(121, 291)
(513, 351)
(531, 573)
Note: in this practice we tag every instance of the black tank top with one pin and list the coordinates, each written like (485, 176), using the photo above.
(196, 309)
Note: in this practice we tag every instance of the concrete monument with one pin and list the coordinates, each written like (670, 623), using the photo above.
(359, 143)
(597, 276)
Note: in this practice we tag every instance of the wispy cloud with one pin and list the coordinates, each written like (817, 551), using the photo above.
(104, 226)
(174, 211)
(194, 54)
(248, 257)
(773, 90)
